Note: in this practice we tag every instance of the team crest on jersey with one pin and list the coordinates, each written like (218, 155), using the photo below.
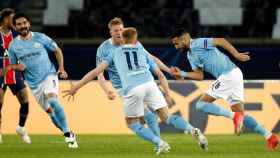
(37, 45)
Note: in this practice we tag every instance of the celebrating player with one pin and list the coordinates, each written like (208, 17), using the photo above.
(203, 55)
(28, 53)
(133, 63)
(116, 27)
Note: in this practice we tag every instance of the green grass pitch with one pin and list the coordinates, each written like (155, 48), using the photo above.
(130, 146)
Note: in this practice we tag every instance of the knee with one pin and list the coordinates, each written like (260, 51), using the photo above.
(24, 108)
(22, 96)
(150, 117)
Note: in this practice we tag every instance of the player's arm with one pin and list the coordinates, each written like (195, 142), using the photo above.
(196, 74)
(59, 57)
(86, 79)
(14, 63)
(104, 85)
(165, 86)
(160, 64)
(222, 42)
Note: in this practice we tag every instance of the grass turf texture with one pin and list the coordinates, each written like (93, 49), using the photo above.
(129, 146)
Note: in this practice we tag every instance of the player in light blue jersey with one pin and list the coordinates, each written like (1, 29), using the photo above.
(138, 87)
(28, 53)
(203, 55)
(116, 27)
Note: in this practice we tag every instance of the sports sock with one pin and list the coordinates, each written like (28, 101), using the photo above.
(58, 115)
(144, 133)
(253, 125)
(152, 121)
(213, 109)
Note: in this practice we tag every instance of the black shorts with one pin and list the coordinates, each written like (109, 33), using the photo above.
(15, 88)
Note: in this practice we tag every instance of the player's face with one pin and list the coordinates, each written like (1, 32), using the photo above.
(177, 42)
(22, 26)
(180, 43)
(8, 21)
(116, 33)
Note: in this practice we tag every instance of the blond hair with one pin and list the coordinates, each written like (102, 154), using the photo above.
(129, 34)
(115, 21)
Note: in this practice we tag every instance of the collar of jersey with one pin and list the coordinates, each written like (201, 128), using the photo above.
(32, 34)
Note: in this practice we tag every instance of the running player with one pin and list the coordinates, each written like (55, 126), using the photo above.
(203, 55)
(28, 53)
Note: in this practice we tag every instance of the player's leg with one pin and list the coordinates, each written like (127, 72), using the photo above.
(20, 91)
(2, 93)
(252, 124)
(205, 104)
(22, 97)
(180, 123)
(151, 120)
(220, 88)
(133, 110)
(47, 96)
(157, 102)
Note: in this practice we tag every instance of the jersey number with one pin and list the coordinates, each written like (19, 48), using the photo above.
(135, 59)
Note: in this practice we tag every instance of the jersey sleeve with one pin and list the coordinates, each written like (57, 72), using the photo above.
(48, 43)
(108, 59)
(150, 61)
(205, 43)
(99, 56)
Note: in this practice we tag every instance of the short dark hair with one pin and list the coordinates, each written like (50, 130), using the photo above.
(20, 15)
(6, 12)
(178, 32)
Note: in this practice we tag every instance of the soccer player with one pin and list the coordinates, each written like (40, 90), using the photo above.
(28, 53)
(133, 63)
(203, 55)
(13, 80)
(116, 27)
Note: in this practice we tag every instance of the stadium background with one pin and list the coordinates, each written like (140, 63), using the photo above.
(79, 26)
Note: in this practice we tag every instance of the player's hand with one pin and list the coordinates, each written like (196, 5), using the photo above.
(111, 95)
(62, 74)
(176, 73)
(243, 56)
(170, 101)
(70, 93)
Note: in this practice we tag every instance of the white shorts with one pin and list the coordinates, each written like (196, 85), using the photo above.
(49, 85)
(228, 87)
(148, 93)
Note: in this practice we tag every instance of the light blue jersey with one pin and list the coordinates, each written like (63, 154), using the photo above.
(133, 65)
(204, 55)
(105, 49)
(33, 54)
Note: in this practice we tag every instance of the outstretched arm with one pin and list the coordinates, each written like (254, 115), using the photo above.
(103, 84)
(160, 64)
(164, 84)
(87, 78)
(197, 74)
(222, 42)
